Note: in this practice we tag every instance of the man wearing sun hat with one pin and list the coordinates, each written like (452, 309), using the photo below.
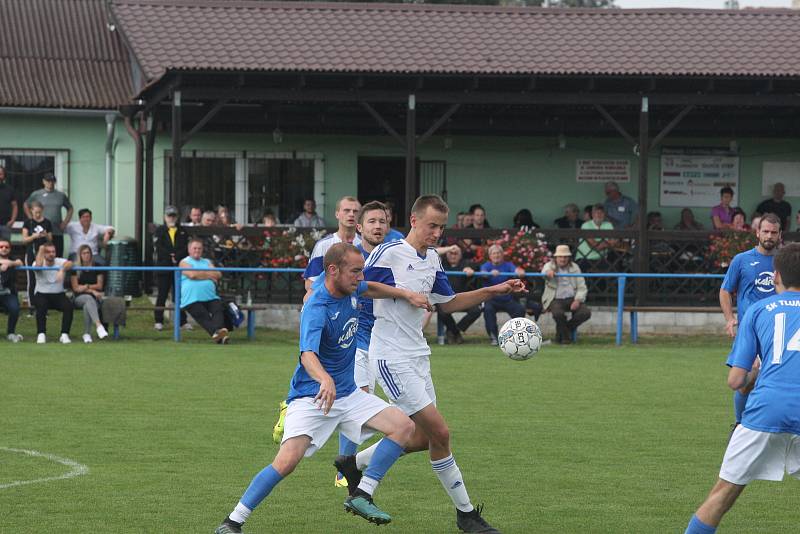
(565, 294)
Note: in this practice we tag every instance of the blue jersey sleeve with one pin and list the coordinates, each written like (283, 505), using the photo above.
(362, 287)
(745, 346)
(441, 286)
(312, 323)
(313, 269)
(731, 281)
(379, 274)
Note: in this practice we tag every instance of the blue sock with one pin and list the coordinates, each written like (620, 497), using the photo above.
(347, 447)
(739, 402)
(385, 455)
(260, 487)
(698, 527)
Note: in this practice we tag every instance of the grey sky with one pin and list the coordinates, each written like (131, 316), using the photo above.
(700, 4)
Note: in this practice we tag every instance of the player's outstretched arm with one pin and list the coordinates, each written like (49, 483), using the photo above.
(327, 387)
(469, 299)
(377, 290)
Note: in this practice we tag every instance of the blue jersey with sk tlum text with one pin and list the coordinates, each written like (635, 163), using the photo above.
(328, 328)
(771, 327)
(751, 277)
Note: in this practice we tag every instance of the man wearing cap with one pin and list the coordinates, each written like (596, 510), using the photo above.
(170, 242)
(85, 232)
(564, 294)
(52, 201)
(8, 205)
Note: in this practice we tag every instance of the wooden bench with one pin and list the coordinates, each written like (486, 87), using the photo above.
(634, 311)
(251, 310)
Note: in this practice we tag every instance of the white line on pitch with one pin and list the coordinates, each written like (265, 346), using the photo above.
(77, 469)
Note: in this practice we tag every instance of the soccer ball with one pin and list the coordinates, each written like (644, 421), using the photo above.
(520, 338)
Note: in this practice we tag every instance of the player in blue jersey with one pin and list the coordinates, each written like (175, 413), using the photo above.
(346, 214)
(373, 222)
(323, 395)
(767, 442)
(750, 277)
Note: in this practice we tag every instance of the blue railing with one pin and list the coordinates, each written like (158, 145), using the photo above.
(620, 277)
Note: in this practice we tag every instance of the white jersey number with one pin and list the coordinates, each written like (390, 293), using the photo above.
(779, 336)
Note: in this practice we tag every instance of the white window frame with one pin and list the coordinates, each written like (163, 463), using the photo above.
(60, 168)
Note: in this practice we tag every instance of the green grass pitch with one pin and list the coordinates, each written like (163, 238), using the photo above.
(587, 438)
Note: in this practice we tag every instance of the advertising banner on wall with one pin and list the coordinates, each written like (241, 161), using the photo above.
(693, 176)
(602, 170)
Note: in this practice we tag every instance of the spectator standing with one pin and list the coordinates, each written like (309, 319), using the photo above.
(565, 294)
(688, 222)
(621, 211)
(454, 261)
(36, 231)
(309, 217)
(170, 242)
(777, 205)
(199, 293)
(739, 221)
(8, 289)
(571, 218)
(592, 251)
(587, 212)
(195, 216)
(210, 242)
(722, 213)
(507, 303)
(50, 294)
(654, 221)
(87, 288)
(8, 206)
(477, 216)
(269, 220)
(53, 201)
(85, 232)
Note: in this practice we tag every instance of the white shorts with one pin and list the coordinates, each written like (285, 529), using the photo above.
(364, 373)
(407, 383)
(349, 414)
(753, 455)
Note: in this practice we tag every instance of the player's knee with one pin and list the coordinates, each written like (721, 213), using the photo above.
(405, 430)
(440, 436)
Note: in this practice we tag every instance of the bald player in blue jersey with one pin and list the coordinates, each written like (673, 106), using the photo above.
(750, 278)
(323, 395)
(767, 442)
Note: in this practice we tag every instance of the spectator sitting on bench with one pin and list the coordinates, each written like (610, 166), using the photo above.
(50, 293)
(199, 293)
(564, 294)
(87, 288)
(507, 303)
(8, 288)
(454, 261)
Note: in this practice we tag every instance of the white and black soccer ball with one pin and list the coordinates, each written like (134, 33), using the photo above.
(520, 338)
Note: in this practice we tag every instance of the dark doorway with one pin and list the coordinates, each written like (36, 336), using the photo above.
(384, 179)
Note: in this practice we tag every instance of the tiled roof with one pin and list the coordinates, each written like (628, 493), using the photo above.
(402, 38)
(60, 53)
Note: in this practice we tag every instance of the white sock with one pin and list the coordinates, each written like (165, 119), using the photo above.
(363, 457)
(368, 485)
(240, 513)
(450, 476)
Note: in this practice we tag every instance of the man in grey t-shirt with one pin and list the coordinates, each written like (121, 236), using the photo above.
(53, 201)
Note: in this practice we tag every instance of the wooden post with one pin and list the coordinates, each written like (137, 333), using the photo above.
(176, 147)
(411, 153)
(643, 248)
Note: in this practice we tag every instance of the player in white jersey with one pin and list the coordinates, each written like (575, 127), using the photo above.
(402, 356)
(346, 213)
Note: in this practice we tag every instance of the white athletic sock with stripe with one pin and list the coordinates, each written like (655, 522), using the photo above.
(363, 457)
(450, 476)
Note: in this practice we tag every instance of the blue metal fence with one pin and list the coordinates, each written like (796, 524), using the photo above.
(621, 278)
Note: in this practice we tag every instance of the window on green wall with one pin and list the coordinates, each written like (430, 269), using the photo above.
(25, 169)
(206, 182)
(280, 186)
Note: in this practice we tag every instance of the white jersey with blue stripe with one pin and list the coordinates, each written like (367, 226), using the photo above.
(315, 266)
(397, 332)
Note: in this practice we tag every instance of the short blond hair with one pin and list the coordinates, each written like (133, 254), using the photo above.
(348, 199)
